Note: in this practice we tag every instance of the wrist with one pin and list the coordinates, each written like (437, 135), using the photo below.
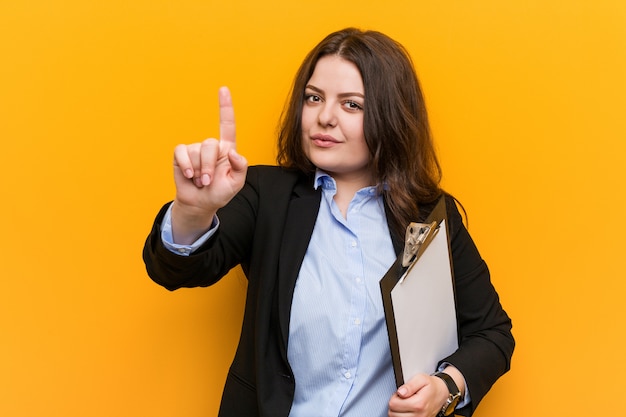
(189, 222)
(457, 376)
(453, 391)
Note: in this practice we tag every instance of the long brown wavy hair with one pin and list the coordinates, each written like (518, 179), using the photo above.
(395, 122)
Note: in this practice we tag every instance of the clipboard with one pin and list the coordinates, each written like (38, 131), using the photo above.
(418, 299)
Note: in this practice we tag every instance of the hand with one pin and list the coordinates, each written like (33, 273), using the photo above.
(422, 396)
(207, 176)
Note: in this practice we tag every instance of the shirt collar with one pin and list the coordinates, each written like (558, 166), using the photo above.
(322, 179)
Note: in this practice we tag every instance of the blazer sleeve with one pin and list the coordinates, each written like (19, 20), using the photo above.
(485, 340)
(227, 248)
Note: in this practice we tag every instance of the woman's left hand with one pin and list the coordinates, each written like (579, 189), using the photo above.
(422, 396)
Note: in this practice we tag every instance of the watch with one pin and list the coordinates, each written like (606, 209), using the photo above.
(453, 398)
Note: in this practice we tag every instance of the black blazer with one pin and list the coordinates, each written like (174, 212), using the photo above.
(266, 228)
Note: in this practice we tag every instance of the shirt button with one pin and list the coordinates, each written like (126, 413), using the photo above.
(353, 243)
(181, 250)
(357, 321)
(347, 375)
(358, 280)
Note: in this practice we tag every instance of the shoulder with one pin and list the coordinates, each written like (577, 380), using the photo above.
(451, 204)
(272, 172)
(277, 178)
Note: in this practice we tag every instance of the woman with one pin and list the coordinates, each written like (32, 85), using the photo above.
(315, 235)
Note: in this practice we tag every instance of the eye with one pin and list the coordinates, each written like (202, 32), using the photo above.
(352, 105)
(312, 98)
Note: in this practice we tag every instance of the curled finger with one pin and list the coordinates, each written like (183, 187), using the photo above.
(183, 161)
(209, 153)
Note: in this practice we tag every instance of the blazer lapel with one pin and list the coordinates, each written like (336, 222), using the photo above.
(299, 224)
(397, 241)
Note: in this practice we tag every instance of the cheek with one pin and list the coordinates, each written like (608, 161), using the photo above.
(307, 119)
(357, 131)
(304, 143)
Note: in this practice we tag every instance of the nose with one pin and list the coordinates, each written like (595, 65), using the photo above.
(327, 115)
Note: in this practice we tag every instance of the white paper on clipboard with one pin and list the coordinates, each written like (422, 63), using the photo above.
(419, 306)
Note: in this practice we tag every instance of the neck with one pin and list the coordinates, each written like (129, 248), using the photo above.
(347, 188)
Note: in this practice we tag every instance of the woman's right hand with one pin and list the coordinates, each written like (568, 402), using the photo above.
(207, 177)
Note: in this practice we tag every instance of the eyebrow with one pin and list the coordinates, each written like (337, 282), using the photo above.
(341, 95)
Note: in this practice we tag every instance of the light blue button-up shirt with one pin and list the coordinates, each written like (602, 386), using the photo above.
(338, 343)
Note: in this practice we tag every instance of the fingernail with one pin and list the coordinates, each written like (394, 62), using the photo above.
(189, 173)
(402, 391)
(206, 180)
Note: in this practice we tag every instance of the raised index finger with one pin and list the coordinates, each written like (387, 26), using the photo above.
(227, 117)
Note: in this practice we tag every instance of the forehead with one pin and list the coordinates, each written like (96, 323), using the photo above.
(336, 74)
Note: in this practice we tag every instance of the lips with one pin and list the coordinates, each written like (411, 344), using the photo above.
(324, 141)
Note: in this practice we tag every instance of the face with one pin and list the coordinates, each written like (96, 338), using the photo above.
(332, 120)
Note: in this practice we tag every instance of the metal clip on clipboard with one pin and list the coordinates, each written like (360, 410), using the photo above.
(417, 238)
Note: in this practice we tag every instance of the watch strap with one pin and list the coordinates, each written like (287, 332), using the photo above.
(454, 397)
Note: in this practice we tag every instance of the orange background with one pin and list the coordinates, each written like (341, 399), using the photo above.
(527, 101)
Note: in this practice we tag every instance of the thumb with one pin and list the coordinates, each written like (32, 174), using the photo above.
(412, 386)
(237, 161)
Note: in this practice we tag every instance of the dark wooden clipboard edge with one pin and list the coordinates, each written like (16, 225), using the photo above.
(389, 281)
